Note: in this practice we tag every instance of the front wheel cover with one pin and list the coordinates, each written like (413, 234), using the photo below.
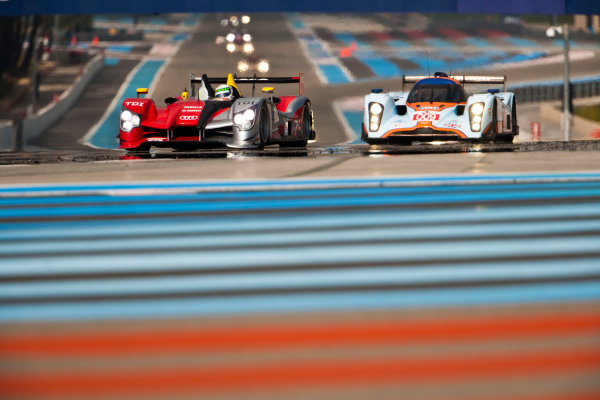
(263, 127)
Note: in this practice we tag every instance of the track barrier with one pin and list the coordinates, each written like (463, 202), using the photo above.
(553, 91)
(535, 131)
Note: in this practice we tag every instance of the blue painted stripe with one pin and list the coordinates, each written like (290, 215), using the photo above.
(477, 42)
(322, 236)
(347, 39)
(248, 205)
(227, 224)
(108, 198)
(439, 43)
(106, 134)
(354, 120)
(203, 259)
(520, 42)
(466, 273)
(192, 19)
(380, 65)
(333, 73)
(111, 61)
(119, 48)
(429, 180)
(157, 21)
(179, 37)
(517, 294)
(397, 43)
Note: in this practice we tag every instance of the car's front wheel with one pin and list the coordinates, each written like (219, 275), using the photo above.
(264, 127)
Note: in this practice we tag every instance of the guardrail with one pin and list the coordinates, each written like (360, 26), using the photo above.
(554, 91)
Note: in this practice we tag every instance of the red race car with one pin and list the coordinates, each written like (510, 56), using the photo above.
(220, 115)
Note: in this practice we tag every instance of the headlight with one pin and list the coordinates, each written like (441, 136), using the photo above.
(129, 120)
(245, 119)
(477, 108)
(376, 108)
(263, 66)
(126, 115)
(243, 66)
(249, 114)
(230, 37)
(248, 48)
(476, 115)
(247, 37)
(230, 47)
(375, 112)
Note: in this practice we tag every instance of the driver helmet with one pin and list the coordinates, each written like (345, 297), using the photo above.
(224, 92)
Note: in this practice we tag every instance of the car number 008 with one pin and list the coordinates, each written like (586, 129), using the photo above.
(426, 116)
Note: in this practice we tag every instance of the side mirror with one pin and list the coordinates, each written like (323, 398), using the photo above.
(401, 110)
(170, 100)
(460, 109)
(141, 91)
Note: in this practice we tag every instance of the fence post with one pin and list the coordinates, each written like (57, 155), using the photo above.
(18, 131)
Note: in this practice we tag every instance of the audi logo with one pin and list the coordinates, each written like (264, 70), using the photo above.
(188, 117)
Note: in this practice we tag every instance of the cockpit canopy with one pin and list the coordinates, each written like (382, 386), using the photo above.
(436, 90)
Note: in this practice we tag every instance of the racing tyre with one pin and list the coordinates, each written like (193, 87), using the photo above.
(143, 148)
(264, 127)
(514, 127)
(305, 130)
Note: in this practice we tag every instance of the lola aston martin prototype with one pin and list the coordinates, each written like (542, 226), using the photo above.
(220, 116)
(439, 108)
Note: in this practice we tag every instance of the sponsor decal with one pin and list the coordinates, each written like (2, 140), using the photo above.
(453, 125)
(397, 125)
(246, 102)
(134, 103)
(156, 140)
(426, 116)
(428, 108)
(191, 110)
(188, 117)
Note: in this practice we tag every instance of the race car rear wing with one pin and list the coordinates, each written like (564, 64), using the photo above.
(254, 80)
(461, 79)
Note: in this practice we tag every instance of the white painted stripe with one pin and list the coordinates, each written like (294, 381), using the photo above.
(317, 235)
(288, 257)
(231, 225)
(461, 273)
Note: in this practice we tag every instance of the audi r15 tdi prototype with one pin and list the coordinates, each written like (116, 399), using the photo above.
(222, 116)
(439, 108)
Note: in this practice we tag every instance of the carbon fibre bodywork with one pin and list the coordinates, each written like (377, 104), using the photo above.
(438, 108)
(249, 122)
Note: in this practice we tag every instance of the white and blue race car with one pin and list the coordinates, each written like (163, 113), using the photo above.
(439, 108)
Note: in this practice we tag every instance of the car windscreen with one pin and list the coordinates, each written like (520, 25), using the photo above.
(431, 93)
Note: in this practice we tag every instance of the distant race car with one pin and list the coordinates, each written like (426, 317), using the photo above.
(204, 116)
(439, 108)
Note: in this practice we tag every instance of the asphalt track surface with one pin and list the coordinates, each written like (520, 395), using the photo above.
(356, 272)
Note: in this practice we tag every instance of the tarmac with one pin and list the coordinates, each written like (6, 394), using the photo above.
(58, 74)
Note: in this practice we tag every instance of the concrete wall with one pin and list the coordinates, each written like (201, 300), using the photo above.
(34, 126)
